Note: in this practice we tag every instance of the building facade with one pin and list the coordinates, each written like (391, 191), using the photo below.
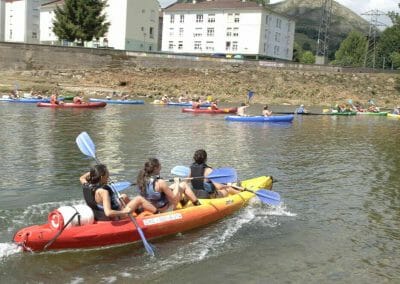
(227, 27)
(22, 21)
(133, 25)
(2, 18)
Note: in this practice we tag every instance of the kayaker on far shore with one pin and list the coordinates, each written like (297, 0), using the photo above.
(155, 190)
(301, 109)
(202, 187)
(103, 201)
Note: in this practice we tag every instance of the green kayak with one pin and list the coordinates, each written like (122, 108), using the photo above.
(381, 113)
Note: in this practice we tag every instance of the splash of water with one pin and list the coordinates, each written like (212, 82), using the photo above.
(7, 249)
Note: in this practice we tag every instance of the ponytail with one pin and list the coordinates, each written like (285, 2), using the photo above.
(146, 173)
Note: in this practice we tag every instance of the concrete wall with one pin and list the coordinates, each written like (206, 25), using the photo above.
(20, 56)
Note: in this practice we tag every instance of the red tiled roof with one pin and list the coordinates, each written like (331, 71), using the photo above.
(215, 5)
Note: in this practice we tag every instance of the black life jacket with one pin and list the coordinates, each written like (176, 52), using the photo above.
(197, 170)
(89, 191)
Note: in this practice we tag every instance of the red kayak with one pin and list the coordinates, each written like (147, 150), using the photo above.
(207, 110)
(85, 232)
(72, 105)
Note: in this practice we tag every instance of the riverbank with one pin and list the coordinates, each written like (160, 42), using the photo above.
(272, 86)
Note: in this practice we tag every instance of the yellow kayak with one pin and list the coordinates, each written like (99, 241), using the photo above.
(393, 115)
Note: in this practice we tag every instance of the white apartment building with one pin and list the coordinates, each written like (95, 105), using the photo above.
(21, 23)
(2, 18)
(227, 27)
(133, 24)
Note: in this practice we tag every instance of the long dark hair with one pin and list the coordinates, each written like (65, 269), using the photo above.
(96, 173)
(146, 173)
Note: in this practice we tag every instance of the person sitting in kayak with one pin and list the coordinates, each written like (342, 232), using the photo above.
(396, 110)
(202, 187)
(103, 201)
(266, 111)
(53, 99)
(156, 190)
(242, 109)
(77, 100)
(196, 104)
(214, 105)
(301, 109)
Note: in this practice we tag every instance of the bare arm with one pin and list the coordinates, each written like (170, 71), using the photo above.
(83, 178)
(105, 196)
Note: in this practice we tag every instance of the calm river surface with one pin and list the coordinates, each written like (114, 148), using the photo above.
(339, 178)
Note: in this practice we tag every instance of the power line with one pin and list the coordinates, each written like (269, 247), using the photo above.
(374, 24)
(323, 32)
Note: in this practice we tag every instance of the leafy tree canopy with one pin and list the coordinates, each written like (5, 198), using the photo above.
(81, 20)
(351, 51)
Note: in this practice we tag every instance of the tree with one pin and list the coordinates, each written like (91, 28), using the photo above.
(307, 58)
(395, 58)
(389, 42)
(81, 20)
(351, 51)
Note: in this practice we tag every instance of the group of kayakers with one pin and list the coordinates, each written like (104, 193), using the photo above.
(155, 194)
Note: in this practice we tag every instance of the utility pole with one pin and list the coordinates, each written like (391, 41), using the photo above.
(323, 32)
(370, 48)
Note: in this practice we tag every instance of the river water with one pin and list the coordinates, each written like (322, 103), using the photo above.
(339, 179)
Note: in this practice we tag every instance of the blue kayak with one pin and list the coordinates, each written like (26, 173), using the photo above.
(28, 100)
(121, 102)
(272, 118)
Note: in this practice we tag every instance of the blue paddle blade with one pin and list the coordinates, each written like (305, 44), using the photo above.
(181, 171)
(86, 145)
(223, 175)
(268, 196)
(121, 185)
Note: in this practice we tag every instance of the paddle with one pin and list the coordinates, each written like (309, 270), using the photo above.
(88, 148)
(266, 196)
(221, 175)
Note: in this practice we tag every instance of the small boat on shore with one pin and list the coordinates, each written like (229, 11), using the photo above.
(211, 111)
(58, 234)
(120, 102)
(72, 105)
(272, 118)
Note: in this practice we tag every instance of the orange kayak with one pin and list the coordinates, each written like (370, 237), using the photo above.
(206, 110)
(78, 235)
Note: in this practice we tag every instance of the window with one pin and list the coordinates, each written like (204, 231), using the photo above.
(142, 29)
(199, 18)
(210, 31)
(170, 45)
(153, 16)
(228, 46)
(143, 11)
(211, 18)
(172, 19)
(276, 50)
(265, 47)
(181, 31)
(277, 37)
(230, 18)
(11, 34)
(266, 19)
(151, 32)
(236, 19)
(34, 34)
(198, 32)
(210, 46)
(197, 45)
(236, 32)
(181, 18)
(180, 45)
(171, 31)
(234, 46)
(228, 31)
(278, 23)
